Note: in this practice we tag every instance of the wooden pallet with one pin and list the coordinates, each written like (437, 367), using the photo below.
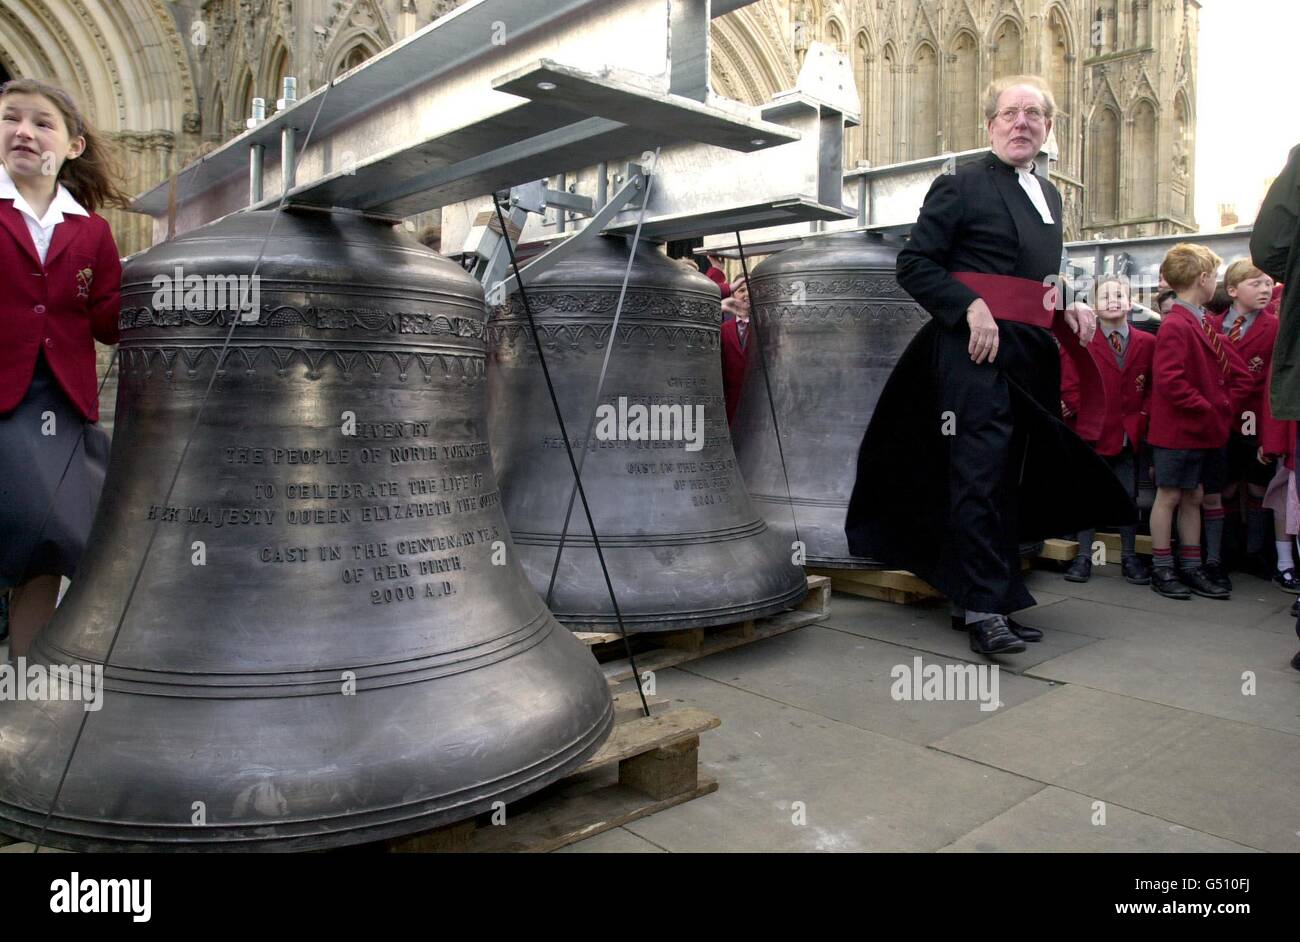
(649, 763)
(1065, 550)
(887, 585)
(659, 650)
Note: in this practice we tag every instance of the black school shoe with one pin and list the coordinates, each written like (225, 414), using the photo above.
(1166, 582)
(1080, 570)
(1217, 574)
(1295, 613)
(1023, 632)
(994, 636)
(1201, 584)
(1135, 570)
(1287, 582)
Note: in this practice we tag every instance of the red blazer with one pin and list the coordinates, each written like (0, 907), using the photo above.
(1193, 400)
(734, 362)
(56, 309)
(1128, 393)
(719, 277)
(1255, 351)
(1277, 437)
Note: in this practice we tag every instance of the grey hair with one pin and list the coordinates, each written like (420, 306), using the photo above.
(998, 86)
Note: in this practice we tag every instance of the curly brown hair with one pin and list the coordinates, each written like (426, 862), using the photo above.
(92, 178)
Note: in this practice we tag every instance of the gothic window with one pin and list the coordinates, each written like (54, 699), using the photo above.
(1183, 143)
(858, 136)
(1104, 36)
(1103, 146)
(924, 139)
(834, 36)
(355, 56)
(243, 100)
(1140, 33)
(276, 74)
(887, 133)
(1060, 78)
(1007, 49)
(1144, 156)
(965, 117)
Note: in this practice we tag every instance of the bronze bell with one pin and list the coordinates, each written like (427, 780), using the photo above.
(684, 545)
(331, 640)
(832, 322)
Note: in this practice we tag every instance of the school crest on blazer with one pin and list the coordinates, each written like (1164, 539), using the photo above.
(84, 278)
(1255, 364)
(1140, 381)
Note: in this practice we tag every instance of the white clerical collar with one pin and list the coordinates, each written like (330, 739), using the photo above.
(63, 202)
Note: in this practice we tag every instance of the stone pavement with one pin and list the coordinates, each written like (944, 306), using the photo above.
(1132, 708)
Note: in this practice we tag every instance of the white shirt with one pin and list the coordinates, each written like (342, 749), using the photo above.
(42, 229)
(1029, 183)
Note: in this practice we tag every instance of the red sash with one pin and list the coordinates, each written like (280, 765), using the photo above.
(1030, 302)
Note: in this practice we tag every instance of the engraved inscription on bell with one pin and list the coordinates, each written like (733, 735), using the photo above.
(684, 545)
(322, 647)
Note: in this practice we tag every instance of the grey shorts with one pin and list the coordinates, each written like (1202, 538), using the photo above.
(1188, 468)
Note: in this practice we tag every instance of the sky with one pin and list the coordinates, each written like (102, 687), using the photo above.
(1247, 117)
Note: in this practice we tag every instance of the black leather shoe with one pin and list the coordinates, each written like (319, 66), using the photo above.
(1287, 582)
(994, 636)
(1080, 570)
(1201, 584)
(1135, 570)
(1295, 661)
(1295, 613)
(1166, 582)
(1218, 574)
(1023, 632)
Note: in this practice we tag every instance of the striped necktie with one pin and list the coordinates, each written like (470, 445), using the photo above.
(1217, 343)
(1237, 327)
(1117, 342)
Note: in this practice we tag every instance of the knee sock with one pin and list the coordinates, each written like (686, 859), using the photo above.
(1085, 538)
(1256, 525)
(1128, 542)
(1189, 557)
(1213, 534)
(1285, 560)
(1162, 558)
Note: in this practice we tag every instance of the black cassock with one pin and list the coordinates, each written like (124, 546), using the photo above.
(962, 462)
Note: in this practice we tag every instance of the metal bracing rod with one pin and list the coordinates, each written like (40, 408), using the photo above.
(637, 182)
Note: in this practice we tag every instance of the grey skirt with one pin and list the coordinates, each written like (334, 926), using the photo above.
(52, 464)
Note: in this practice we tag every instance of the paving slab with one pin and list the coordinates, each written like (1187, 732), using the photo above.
(1228, 779)
(860, 791)
(613, 841)
(1055, 820)
(852, 679)
(929, 629)
(1236, 674)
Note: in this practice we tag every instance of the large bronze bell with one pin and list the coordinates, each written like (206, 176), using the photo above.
(330, 641)
(832, 322)
(684, 545)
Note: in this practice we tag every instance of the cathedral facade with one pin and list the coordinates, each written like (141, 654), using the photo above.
(168, 79)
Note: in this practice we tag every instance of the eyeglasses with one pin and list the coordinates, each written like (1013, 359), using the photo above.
(1032, 115)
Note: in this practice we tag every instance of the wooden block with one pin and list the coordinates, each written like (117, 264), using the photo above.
(662, 773)
(688, 639)
(650, 732)
(818, 598)
(453, 838)
(1114, 545)
(627, 706)
(1060, 550)
(593, 638)
(743, 630)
